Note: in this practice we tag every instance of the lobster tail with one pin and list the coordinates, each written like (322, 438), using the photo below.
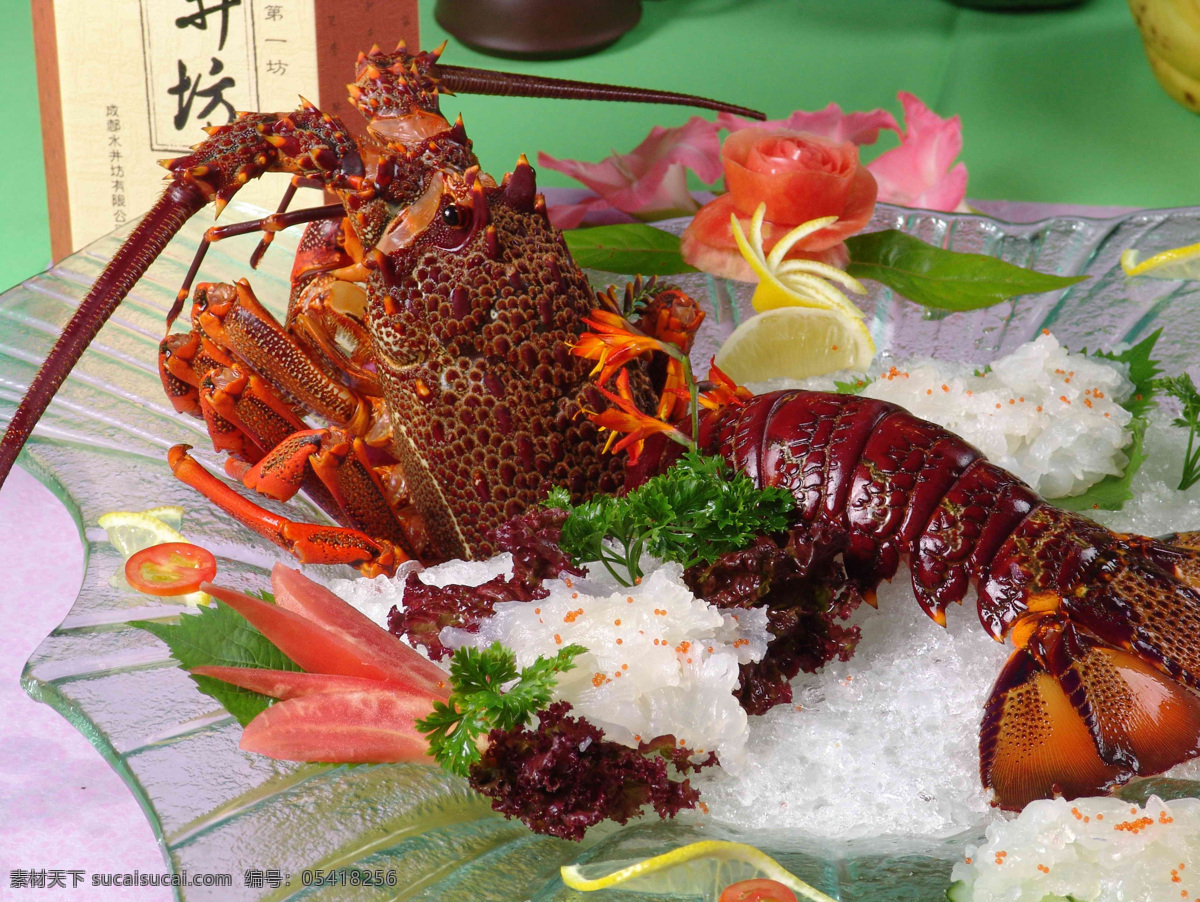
(466, 80)
(179, 202)
(1101, 686)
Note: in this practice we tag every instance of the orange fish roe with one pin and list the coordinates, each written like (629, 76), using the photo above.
(945, 387)
(624, 666)
(738, 643)
(617, 622)
(1043, 869)
(620, 641)
(599, 680)
(704, 807)
(629, 600)
(574, 594)
(929, 391)
(570, 583)
(557, 639)
(683, 647)
(572, 616)
(1064, 399)
(1134, 827)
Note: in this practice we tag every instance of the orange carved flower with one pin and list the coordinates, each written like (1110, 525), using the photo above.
(623, 417)
(613, 343)
(722, 391)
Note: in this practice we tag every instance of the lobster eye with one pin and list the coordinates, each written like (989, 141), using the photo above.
(452, 216)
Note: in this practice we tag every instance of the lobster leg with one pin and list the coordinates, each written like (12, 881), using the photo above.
(339, 464)
(231, 316)
(305, 142)
(276, 222)
(310, 543)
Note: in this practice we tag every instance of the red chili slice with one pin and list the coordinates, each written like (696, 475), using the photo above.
(759, 890)
(173, 568)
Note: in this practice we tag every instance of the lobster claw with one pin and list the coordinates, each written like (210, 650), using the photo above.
(1072, 716)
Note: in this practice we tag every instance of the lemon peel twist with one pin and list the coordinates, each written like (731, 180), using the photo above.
(804, 283)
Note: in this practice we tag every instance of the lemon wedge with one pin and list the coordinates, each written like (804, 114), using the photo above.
(795, 343)
(700, 868)
(129, 532)
(799, 283)
(1179, 263)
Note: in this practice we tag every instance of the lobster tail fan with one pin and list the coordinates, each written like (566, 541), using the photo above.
(1033, 744)
(179, 202)
(467, 80)
(1140, 718)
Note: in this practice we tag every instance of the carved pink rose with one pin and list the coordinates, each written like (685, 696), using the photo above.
(800, 177)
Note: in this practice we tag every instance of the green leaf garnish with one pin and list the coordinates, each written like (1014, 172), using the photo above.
(1111, 492)
(946, 280)
(631, 249)
(1183, 390)
(478, 703)
(1142, 372)
(220, 635)
(851, 388)
(693, 513)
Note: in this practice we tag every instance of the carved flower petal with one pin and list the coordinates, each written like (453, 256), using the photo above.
(919, 172)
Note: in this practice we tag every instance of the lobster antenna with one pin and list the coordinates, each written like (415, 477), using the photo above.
(466, 80)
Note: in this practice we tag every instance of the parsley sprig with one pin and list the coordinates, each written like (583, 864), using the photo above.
(1184, 391)
(693, 513)
(479, 703)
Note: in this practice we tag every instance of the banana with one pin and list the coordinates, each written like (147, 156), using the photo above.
(1171, 34)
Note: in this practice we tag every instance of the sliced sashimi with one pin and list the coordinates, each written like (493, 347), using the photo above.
(372, 726)
(297, 593)
(306, 642)
(285, 684)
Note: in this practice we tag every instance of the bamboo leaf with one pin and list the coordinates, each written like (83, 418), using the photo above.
(629, 249)
(946, 280)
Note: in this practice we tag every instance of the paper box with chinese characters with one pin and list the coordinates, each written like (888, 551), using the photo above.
(125, 83)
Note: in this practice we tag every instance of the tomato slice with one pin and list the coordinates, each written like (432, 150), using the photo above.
(759, 890)
(174, 568)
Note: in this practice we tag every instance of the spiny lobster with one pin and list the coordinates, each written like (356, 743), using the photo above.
(432, 316)
(429, 323)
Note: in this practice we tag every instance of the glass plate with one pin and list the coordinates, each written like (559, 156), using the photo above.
(102, 447)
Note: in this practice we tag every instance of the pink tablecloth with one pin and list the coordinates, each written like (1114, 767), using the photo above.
(61, 806)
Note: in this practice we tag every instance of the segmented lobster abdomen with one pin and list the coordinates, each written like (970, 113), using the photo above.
(876, 484)
(1106, 627)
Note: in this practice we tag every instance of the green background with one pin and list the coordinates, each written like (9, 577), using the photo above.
(1056, 106)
